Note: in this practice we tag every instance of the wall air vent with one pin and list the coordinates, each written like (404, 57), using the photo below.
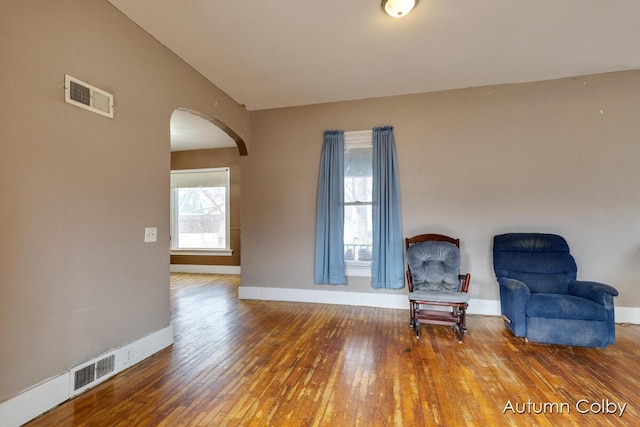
(85, 96)
(92, 373)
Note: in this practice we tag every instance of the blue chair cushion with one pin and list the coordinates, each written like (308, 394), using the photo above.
(558, 306)
(439, 296)
(434, 265)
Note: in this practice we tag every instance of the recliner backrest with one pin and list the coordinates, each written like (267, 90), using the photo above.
(434, 265)
(542, 261)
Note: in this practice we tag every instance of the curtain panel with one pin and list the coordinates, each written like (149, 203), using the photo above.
(387, 265)
(329, 258)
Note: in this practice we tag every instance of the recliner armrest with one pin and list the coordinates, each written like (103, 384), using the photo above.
(514, 285)
(514, 296)
(594, 291)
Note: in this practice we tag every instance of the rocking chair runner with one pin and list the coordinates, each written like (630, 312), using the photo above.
(437, 290)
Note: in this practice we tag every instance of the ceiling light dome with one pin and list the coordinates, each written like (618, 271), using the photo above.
(398, 8)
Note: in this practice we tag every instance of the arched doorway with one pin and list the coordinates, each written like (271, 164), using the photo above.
(183, 116)
(205, 194)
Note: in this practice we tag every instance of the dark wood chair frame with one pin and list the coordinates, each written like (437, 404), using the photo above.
(457, 316)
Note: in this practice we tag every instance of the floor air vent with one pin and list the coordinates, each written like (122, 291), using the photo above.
(85, 96)
(105, 366)
(84, 376)
(90, 374)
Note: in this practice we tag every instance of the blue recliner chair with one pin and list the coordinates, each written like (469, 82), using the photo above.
(540, 298)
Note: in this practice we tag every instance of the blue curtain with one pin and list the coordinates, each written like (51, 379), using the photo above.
(329, 261)
(387, 269)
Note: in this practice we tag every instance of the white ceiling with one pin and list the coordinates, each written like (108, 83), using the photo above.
(279, 53)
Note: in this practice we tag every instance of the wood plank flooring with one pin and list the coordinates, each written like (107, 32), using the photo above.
(259, 363)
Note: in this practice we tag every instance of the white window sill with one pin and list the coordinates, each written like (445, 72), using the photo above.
(358, 268)
(202, 252)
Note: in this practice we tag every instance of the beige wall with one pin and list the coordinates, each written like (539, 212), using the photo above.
(558, 156)
(78, 189)
(216, 158)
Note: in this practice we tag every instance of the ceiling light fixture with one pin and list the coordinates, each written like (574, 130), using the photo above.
(398, 8)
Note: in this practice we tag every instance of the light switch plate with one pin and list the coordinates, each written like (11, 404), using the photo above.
(150, 234)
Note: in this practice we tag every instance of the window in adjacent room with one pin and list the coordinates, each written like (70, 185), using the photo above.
(358, 183)
(200, 211)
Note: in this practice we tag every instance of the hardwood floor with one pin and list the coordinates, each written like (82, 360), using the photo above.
(259, 363)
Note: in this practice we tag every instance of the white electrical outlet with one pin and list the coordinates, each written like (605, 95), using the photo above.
(151, 234)
(127, 356)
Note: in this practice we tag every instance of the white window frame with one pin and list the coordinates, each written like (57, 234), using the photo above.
(361, 138)
(174, 214)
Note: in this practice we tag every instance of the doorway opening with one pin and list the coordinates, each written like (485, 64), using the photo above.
(205, 194)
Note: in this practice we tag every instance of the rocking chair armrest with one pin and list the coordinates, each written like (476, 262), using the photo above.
(464, 279)
(599, 292)
(409, 280)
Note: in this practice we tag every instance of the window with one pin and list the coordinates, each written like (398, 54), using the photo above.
(359, 226)
(200, 211)
(358, 183)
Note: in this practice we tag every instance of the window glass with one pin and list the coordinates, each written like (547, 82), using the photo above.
(200, 209)
(201, 221)
(358, 182)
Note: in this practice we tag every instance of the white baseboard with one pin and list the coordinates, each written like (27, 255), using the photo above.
(628, 315)
(205, 269)
(39, 399)
(35, 401)
(323, 297)
(476, 306)
(484, 307)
